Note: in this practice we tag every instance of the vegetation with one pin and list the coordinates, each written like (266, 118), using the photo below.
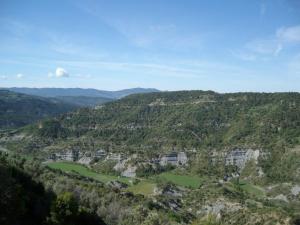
(206, 125)
(144, 188)
(192, 119)
(17, 110)
(25, 201)
(83, 171)
(181, 180)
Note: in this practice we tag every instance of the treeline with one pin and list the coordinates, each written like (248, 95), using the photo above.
(24, 201)
(31, 193)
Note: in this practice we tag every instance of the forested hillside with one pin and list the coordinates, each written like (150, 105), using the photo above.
(84, 101)
(192, 119)
(17, 110)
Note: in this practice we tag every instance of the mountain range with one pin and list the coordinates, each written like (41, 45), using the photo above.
(56, 92)
(21, 106)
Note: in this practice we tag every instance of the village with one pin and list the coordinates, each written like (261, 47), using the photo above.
(124, 164)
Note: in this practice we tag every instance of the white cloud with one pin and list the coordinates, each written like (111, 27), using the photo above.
(264, 46)
(272, 46)
(289, 34)
(61, 72)
(20, 76)
(3, 77)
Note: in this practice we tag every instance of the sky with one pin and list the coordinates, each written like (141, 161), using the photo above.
(224, 46)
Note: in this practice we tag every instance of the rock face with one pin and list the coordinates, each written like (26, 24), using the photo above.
(85, 160)
(219, 206)
(295, 190)
(129, 172)
(281, 197)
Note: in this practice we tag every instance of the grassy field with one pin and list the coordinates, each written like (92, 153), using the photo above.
(143, 187)
(82, 170)
(181, 180)
(252, 189)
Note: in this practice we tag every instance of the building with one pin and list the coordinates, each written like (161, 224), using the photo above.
(100, 153)
(170, 158)
(182, 158)
(174, 159)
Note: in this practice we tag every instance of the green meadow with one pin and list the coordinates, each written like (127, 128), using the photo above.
(84, 171)
(188, 181)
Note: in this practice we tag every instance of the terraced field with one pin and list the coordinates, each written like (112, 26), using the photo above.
(188, 181)
(144, 187)
(84, 171)
(252, 189)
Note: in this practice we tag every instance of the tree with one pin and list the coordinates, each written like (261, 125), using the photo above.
(64, 209)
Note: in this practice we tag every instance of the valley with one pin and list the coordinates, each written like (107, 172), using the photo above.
(194, 157)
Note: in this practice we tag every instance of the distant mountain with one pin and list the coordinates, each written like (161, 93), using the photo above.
(55, 92)
(17, 109)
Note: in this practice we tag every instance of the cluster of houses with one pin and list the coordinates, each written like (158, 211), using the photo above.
(237, 157)
(173, 158)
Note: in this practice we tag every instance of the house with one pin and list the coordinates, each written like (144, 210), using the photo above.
(182, 158)
(170, 158)
(174, 159)
(100, 153)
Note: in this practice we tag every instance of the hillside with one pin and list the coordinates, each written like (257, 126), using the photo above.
(123, 144)
(84, 101)
(17, 110)
(192, 119)
(55, 92)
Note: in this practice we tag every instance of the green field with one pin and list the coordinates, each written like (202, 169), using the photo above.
(144, 187)
(82, 170)
(252, 189)
(189, 181)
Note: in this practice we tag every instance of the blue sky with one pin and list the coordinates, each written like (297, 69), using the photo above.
(239, 45)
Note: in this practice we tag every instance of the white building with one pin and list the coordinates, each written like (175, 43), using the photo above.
(174, 159)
